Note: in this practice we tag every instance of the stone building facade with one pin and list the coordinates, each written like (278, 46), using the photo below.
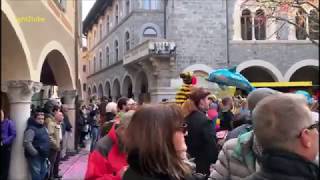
(137, 48)
(39, 48)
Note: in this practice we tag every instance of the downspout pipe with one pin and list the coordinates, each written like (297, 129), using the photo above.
(165, 19)
(227, 27)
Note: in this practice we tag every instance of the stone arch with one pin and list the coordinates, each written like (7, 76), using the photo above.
(100, 91)
(59, 61)
(198, 67)
(94, 90)
(144, 26)
(142, 84)
(107, 89)
(16, 54)
(306, 70)
(127, 87)
(89, 92)
(116, 89)
(299, 65)
(263, 65)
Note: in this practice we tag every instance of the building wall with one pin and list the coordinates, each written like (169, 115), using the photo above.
(198, 28)
(204, 42)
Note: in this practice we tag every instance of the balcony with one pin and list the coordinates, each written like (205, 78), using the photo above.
(158, 48)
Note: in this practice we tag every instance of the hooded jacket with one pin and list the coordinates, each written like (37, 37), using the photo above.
(237, 159)
(279, 164)
(106, 161)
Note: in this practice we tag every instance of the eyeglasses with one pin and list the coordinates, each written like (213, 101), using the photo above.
(312, 126)
(184, 128)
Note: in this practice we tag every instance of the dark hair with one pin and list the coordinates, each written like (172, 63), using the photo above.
(56, 108)
(122, 102)
(226, 101)
(198, 93)
(150, 136)
(37, 113)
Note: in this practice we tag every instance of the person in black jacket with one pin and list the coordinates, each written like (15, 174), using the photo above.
(37, 146)
(201, 138)
(66, 132)
(226, 115)
(289, 138)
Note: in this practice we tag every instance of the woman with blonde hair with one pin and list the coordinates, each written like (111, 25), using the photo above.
(156, 146)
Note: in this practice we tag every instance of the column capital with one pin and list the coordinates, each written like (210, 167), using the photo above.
(22, 90)
(68, 95)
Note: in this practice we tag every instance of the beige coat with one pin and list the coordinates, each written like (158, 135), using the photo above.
(54, 133)
(232, 165)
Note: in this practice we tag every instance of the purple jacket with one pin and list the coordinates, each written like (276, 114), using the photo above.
(8, 131)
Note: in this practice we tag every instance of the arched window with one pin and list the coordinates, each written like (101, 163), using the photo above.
(127, 7)
(94, 37)
(301, 28)
(313, 22)
(127, 38)
(260, 25)
(89, 69)
(100, 29)
(246, 25)
(116, 50)
(151, 4)
(108, 56)
(150, 32)
(94, 64)
(108, 24)
(116, 12)
(100, 59)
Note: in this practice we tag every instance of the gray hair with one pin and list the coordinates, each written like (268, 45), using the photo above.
(257, 95)
(278, 120)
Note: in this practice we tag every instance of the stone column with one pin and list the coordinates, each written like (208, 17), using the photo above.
(69, 100)
(20, 93)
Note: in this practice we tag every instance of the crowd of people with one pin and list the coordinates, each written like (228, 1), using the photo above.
(267, 135)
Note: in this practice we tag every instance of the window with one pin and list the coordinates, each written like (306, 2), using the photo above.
(246, 25)
(89, 67)
(100, 59)
(151, 4)
(94, 37)
(84, 87)
(128, 7)
(116, 50)
(260, 25)
(108, 24)
(149, 32)
(313, 22)
(94, 64)
(84, 68)
(108, 55)
(100, 28)
(127, 38)
(62, 4)
(117, 15)
(301, 31)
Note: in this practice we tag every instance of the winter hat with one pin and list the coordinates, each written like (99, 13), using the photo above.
(257, 95)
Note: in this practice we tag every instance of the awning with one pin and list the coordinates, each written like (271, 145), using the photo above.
(282, 84)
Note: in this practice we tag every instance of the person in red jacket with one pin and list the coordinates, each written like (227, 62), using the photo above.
(108, 160)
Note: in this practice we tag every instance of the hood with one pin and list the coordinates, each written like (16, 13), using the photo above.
(243, 151)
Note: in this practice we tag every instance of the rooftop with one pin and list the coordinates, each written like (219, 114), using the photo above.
(96, 11)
